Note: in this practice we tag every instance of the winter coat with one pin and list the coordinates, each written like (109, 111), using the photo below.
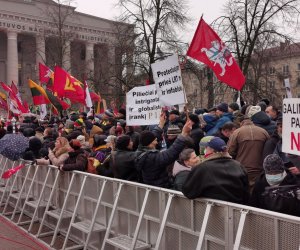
(261, 119)
(180, 172)
(103, 154)
(33, 151)
(226, 117)
(196, 134)
(218, 177)
(153, 164)
(123, 165)
(270, 144)
(208, 121)
(257, 200)
(77, 160)
(246, 145)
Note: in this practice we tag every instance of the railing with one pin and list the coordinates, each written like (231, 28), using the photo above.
(96, 212)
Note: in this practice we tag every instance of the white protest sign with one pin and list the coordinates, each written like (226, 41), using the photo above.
(142, 106)
(168, 81)
(291, 126)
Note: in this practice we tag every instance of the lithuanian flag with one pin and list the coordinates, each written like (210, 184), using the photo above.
(39, 95)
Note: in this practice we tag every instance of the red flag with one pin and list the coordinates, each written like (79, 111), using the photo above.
(68, 86)
(14, 100)
(207, 47)
(7, 174)
(46, 75)
(14, 88)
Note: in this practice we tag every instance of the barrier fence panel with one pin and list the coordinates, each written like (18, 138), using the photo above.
(107, 213)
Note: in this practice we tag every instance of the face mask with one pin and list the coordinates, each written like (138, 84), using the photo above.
(275, 179)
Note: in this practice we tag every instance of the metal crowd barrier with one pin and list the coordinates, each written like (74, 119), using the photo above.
(95, 212)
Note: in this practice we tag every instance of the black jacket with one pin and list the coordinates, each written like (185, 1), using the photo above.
(77, 161)
(219, 177)
(196, 134)
(153, 164)
(123, 166)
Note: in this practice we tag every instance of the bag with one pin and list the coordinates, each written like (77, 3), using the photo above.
(283, 199)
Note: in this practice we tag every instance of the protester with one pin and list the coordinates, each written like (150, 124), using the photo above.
(187, 160)
(246, 146)
(218, 177)
(33, 151)
(275, 175)
(151, 163)
(273, 112)
(77, 159)
(58, 155)
(226, 131)
(196, 133)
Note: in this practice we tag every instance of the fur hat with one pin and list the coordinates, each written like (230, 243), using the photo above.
(146, 138)
(252, 110)
(223, 107)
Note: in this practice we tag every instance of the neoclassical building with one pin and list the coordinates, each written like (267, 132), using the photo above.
(33, 31)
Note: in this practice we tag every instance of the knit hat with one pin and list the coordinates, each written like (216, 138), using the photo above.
(146, 138)
(110, 138)
(216, 144)
(79, 123)
(109, 113)
(252, 110)
(173, 130)
(273, 164)
(81, 139)
(223, 107)
(123, 142)
(234, 106)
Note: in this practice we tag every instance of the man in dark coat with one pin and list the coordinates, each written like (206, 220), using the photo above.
(218, 176)
(151, 163)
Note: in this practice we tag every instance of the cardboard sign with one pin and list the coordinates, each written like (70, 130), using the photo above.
(291, 126)
(142, 106)
(168, 81)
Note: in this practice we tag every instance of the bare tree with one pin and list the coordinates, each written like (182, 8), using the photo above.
(59, 12)
(156, 25)
(252, 26)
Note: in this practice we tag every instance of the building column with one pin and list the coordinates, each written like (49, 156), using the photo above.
(67, 56)
(40, 52)
(89, 59)
(12, 57)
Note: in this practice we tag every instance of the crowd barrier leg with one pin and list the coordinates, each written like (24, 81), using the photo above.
(127, 242)
(111, 216)
(5, 189)
(28, 196)
(61, 213)
(39, 203)
(204, 225)
(17, 194)
(163, 222)
(47, 207)
(85, 226)
(239, 232)
(2, 183)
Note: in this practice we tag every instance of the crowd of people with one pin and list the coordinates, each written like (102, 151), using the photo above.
(227, 152)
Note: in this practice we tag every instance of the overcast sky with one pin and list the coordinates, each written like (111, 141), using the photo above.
(211, 9)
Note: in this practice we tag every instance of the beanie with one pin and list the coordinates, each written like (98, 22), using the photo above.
(146, 138)
(123, 142)
(273, 163)
(223, 107)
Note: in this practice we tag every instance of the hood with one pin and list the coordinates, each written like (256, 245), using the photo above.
(178, 168)
(261, 118)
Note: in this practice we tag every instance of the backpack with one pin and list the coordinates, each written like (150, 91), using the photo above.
(283, 199)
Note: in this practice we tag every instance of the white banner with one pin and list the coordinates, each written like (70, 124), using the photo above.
(168, 81)
(142, 106)
(288, 88)
(291, 126)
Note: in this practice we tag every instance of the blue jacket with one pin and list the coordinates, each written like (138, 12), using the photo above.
(227, 117)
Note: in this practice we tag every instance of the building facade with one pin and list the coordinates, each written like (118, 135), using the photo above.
(42, 31)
